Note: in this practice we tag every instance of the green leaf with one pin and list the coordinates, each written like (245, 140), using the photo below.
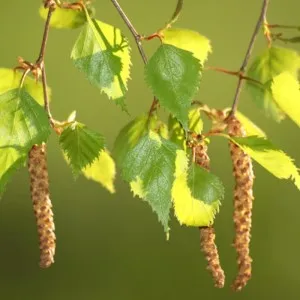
(264, 68)
(270, 157)
(174, 76)
(128, 137)
(133, 131)
(64, 17)
(10, 79)
(195, 120)
(102, 170)
(102, 53)
(11, 159)
(196, 195)
(81, 145)
(23, 122)
(286, 93)
(152, 162)
(204, 185)
(188, 40)
(176, 132)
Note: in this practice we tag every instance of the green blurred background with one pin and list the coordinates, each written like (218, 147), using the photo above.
(111, 246)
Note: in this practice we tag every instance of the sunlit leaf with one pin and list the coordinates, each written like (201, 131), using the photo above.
(270, 157)
(102, 170)
(188, 40)
(195, 120)
(10, 79)
(174, 76)
(64, 17)
(286, 93)
(102, 53)
(81, 145)
(249, 127)
(264, 68)
(189, 184)
(149, 167)
(23, 122)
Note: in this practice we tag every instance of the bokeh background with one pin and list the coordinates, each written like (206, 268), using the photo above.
(111, 246)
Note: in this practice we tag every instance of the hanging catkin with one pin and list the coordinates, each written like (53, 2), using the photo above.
(42, 206)
(207, 234)
(243, 199)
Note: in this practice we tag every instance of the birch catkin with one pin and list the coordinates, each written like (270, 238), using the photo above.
(42, 206)
(243, 199)
(207, 234)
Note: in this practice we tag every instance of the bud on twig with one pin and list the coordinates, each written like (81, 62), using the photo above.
(207, 234)
(243, 197)
(42, 206)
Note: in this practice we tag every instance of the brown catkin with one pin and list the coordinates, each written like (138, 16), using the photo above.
(39, 187)
(207, 234)
(243, 200)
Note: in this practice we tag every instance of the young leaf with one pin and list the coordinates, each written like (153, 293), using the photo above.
(265, 67)
(270, 157)
(81, 145)
(23, 122)
(11, 159)
(187, 40)
(10, 79)
(188, 185)
(174, 76)
(103, 54)
(151, 163)
(102, 170)
(286, 93)
(64, 17)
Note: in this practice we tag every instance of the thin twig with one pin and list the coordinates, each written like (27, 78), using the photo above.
(46, 98)
(134, 32)
(25, 73)
(176, 13)
(41, 57)
(283, 26)
(41, 64)
(233, 73)
(259, 23)
(137, 38)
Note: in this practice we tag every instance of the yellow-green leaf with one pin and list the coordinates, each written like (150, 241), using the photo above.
(103, 171)
(286, 93)
(272, 62)
(270, 157)
(189, 210)
(195, 120)
(188, 40)
(102, 53)
(249, 126)
(64, 17)
(137, 188)
(10, 79)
